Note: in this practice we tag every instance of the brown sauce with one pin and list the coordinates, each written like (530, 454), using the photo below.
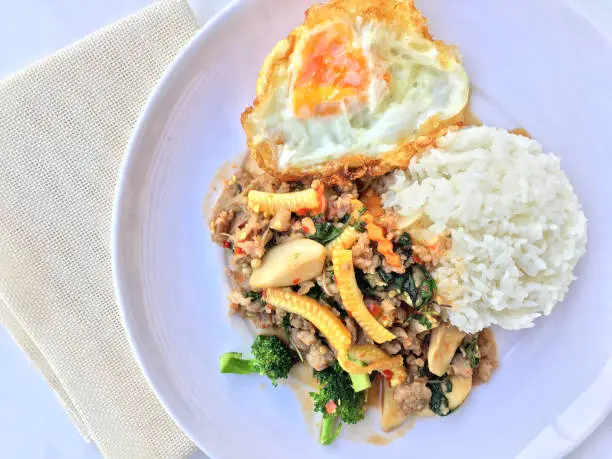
(377, 439)
(216, 185)
(386, 438)
(299, 384)
(374, 399)
(468, 118)
(520, 131)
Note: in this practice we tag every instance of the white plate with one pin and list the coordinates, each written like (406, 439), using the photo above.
(534, 64)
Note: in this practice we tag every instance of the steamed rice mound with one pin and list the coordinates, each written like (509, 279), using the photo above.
(516, 225)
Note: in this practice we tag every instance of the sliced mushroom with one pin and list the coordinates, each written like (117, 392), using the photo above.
(442, 347)
(391, 416)
(290, 263)
(461, 389)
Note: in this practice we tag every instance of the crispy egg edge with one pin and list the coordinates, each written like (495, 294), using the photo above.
(403, 15)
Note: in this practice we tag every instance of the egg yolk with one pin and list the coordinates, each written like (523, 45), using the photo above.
(333, 69)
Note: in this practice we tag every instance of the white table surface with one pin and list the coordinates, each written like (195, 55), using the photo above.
(33, 424)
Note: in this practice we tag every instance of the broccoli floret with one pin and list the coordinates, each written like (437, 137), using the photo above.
(337, 401)
(271, 358)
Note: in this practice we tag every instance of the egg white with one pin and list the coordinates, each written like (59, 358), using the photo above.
(419, 88)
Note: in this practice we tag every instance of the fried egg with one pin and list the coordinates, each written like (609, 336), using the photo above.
(359, 88)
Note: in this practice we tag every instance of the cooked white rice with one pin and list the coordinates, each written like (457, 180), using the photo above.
(517, 227)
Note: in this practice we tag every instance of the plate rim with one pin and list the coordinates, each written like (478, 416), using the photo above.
(118, 216)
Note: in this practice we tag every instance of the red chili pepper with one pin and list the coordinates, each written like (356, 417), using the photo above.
(323, 204)
(375, 309)
(295, 281)
(322, 201)
(227, 244)
(239, 251)
(330, 407)
(416, 259)
(388, 374)
(305, 229)
(302, 211)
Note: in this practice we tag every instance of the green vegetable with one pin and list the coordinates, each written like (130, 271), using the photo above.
(410, 288)
(317, 293)
(360, 226)
(428, 286)
(287, 327)
(271, 358)
(360, 382)
(363, 284)
(330, 275)
(423, 372)
(253, 295)
(326, 231)
(439, 386)
(423, 320)
(405, 241)
(232, 362)
(472, 352)
(330, 429)
(374, 280)
(416, 286)
(386, 277)
(335, 386)
(438, 402)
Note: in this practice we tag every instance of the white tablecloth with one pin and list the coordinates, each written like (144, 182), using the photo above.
(33, 425)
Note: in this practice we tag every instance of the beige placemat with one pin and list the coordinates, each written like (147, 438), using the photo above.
(64, 124)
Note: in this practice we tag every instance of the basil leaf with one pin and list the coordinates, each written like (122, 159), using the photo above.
(386, 277)
(317, 294)
(360, 226)
(472, 352)
(405, 241)
(326, 231)
(253, 295)
(438, 402)
(363, 283)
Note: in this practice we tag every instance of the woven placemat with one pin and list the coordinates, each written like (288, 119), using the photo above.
(64, 125)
